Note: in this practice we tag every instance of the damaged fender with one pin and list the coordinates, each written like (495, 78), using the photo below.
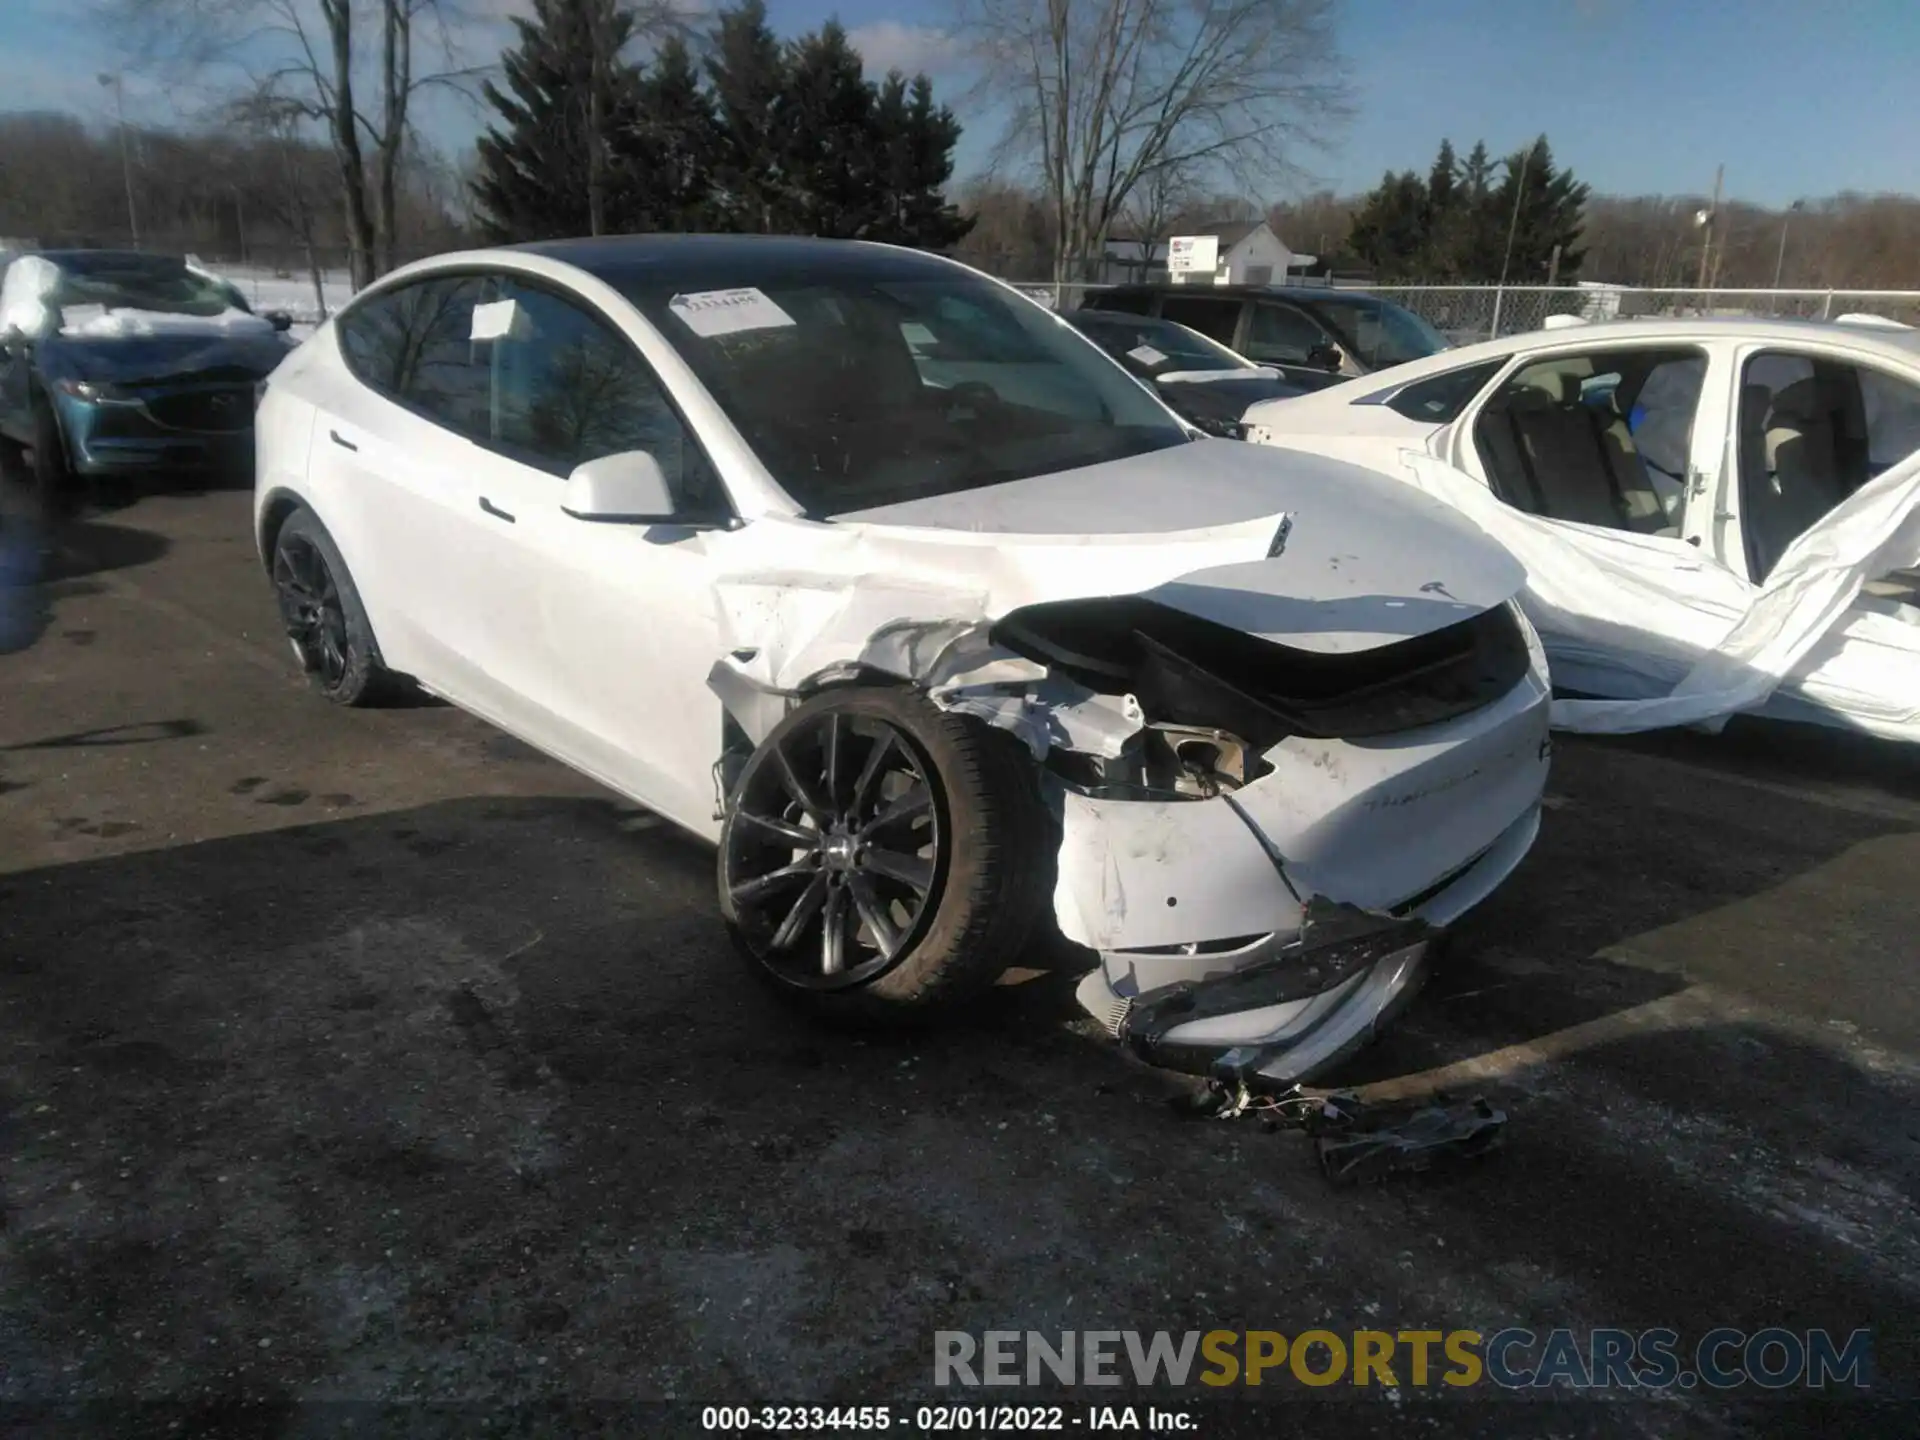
(917, 604)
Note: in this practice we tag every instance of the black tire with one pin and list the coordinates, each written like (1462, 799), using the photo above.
(987, 877)
(52, 476)
(326, 623)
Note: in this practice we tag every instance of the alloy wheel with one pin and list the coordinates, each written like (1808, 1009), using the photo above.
(311, 608)
(834, 855)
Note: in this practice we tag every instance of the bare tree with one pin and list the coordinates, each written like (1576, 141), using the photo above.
(277, 126)
(1107, 94)
(303, 60)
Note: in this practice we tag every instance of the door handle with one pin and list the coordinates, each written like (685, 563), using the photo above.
(494, 510)
(341, 440)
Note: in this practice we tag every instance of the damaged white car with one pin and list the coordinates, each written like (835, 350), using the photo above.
(938, 664)
(1715, 515)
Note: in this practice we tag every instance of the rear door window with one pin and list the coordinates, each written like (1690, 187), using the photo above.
(414, 344)
(1214, 316)
(1283, 335)
(1133, 302)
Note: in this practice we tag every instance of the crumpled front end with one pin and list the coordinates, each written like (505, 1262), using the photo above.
(1268, 799)
(1295, 912)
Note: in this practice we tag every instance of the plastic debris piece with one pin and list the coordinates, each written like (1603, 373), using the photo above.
(1370, 1145)
(1357, 1141)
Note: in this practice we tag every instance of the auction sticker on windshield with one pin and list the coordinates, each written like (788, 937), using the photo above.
(1146, 355)
(726, 312)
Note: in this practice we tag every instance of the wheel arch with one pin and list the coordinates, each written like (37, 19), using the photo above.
(274, 512)
(279, 506)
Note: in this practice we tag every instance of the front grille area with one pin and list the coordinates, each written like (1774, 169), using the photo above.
(1190, 671)
(220, 411)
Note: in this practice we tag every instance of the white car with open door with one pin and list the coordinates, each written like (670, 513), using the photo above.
(935, 662)
(1715, 515)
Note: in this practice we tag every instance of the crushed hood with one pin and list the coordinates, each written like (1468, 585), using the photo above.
(1310, 553)
(1363, 563)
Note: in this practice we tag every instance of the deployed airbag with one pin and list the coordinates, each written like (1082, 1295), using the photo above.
(1763, 634)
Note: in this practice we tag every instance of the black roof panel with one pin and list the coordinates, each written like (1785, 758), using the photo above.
(684, 262)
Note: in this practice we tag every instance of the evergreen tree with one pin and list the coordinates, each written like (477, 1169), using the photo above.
(1454, 225)
(830, 154)
(1390, 228)
(747, 70)
(1483, 231)
(534, 171)
(673, 145)
(1551, 203)
(917, 140)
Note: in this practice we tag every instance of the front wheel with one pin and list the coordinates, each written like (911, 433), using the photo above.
(882, 859)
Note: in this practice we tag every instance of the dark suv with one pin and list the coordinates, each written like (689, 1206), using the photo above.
(1315, 336)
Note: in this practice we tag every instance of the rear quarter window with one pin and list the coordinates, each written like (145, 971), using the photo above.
(1437, 399)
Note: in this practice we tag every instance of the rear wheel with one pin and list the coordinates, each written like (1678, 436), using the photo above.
(882, 859)
(325, 621)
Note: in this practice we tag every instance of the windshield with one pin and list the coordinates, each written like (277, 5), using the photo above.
(140, 282)
(1151, 345)
(857, 392)
(1380, 333)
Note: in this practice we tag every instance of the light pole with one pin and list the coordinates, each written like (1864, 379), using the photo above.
(1506, 259)
(126, 158)
(1780, 260)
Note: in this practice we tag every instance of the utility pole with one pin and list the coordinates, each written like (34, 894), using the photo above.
(1707, 219)
(596, 156)
(118, 83)
(1780, 260)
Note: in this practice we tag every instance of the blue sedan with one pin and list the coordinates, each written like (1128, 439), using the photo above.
(116, 362)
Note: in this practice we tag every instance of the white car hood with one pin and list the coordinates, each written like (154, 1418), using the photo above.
(1360, 565)
(1303, 551)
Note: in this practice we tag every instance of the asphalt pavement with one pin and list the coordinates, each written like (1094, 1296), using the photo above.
(371, 1056)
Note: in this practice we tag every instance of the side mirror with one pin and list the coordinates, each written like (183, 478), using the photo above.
(625, 489)
(279, 319)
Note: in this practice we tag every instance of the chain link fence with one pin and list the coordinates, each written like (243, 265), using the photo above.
(1469, 313)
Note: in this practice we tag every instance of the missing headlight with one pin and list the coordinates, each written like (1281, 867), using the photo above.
(1164, 762)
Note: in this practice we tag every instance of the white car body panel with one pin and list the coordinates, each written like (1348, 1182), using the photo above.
(1672, 619)
(620, 649)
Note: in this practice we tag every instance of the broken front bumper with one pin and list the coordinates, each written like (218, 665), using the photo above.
(1303, 1005)
(1275, 929)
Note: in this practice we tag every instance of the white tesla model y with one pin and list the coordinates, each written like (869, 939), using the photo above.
(936, 662)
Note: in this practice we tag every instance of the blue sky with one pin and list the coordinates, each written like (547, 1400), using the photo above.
(1797, 97)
